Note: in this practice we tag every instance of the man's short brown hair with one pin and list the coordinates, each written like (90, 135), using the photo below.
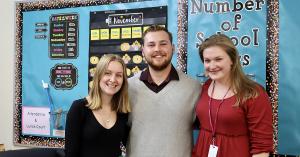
(156, 28)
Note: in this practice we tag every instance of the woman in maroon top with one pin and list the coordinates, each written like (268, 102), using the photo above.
(235, 113)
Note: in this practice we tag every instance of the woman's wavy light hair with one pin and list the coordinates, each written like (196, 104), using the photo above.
(243, 87)
(120, 101)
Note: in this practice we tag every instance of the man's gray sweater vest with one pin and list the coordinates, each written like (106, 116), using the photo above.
(161, 123)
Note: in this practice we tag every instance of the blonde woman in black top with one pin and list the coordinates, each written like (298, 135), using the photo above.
(97, 124)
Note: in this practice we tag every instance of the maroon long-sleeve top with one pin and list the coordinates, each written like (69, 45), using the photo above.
(240, 131)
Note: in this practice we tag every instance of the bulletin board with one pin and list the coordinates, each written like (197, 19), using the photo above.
(265, 33)
(58, 44)
(253, 28)
(289, 88)
(245, 24)
(110, 35)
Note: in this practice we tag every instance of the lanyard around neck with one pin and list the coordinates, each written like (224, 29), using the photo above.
(213, 127)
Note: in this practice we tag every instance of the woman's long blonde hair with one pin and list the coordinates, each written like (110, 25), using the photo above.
(120, 101)
(243, 87)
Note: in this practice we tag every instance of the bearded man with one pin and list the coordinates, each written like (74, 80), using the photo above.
(163, 101)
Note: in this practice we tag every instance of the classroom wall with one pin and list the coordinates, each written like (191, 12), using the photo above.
(7, 55)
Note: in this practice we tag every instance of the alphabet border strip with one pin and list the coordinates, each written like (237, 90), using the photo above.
(273, 63)
(182, 25)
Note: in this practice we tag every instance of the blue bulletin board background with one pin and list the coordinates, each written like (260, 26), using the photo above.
(245, 25)
(37, 65)
(250, 25)
(289, 87)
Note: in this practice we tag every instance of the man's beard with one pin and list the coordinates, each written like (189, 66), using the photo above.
(160, 67)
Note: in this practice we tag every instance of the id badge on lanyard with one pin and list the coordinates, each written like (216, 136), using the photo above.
(213, 150)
